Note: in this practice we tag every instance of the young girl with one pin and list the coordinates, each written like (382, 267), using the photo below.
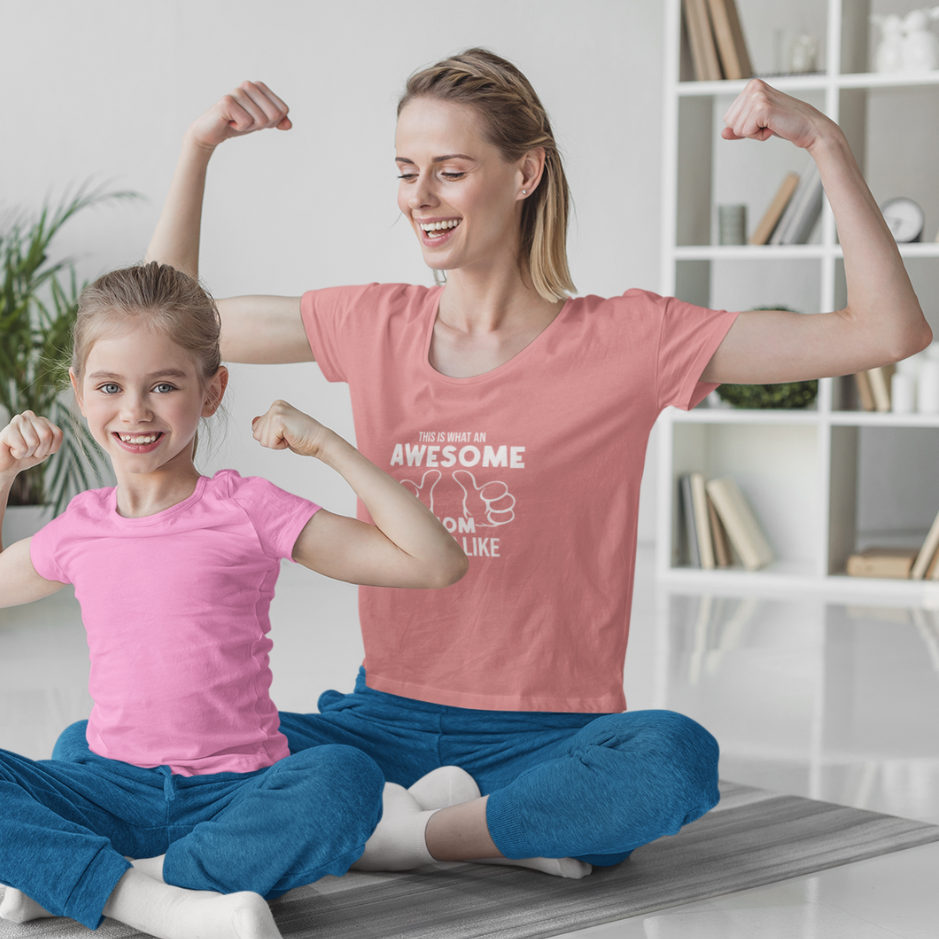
(187, 768)
(516, 674)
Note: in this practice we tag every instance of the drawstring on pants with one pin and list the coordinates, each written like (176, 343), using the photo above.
(169, 786)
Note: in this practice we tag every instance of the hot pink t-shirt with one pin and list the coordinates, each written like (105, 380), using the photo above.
(534, 467)
(176, 610)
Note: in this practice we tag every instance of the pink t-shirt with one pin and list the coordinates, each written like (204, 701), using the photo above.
(534, 467)
(176, 610)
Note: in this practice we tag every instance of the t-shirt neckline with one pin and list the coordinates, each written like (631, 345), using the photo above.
(157, 516)
(433, 306)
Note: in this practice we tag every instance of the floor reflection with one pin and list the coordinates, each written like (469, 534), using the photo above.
(818, 699)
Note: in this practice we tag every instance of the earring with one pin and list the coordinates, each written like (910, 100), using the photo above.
(524, 192)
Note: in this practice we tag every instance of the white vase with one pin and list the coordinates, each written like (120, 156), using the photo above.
(928, 396)
(920, 46)
(23, 521)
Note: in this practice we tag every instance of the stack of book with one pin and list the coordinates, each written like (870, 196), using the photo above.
(904, 563)
(873, 388)
(792, 214)
(717, 522)
(718, 48)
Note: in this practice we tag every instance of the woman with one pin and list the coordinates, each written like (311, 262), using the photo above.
(520, 416)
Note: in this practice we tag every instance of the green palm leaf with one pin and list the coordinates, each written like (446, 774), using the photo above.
(38, 305)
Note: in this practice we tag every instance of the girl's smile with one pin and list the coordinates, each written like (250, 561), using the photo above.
(138, 443)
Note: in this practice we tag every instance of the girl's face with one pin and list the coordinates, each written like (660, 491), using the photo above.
(142, 397)
(462, 198)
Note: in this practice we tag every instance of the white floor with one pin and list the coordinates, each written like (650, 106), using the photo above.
(826, 701)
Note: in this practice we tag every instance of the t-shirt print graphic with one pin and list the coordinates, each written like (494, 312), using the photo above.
(466, 507)
(463, 498)
(485, 505)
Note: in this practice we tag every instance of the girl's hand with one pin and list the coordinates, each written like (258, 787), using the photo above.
(760, 111)
(286, 428)
(251, 106)
(25, 442)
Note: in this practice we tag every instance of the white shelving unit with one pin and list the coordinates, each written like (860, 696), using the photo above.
(799, 469)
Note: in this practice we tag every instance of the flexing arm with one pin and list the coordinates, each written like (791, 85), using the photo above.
(882, 322)
(26, 441)
(254, 329)
(406, 547)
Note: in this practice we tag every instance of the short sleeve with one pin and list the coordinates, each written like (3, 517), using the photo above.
(278, 517)
(689, 336)
(326, 318)
(44, 550)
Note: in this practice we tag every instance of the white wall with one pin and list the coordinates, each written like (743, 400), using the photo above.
(103, 90)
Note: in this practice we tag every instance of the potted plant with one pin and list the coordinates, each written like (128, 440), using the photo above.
(793, 394)
(38, 304)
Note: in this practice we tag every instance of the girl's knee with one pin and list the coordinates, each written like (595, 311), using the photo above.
(338, 768)
(72, 745)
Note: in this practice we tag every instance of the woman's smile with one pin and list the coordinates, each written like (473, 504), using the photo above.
(436, 232)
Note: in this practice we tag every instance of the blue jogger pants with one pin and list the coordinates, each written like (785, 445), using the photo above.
(560, 785)
(65, 826)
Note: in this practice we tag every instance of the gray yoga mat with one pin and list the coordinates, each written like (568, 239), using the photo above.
(752, 838)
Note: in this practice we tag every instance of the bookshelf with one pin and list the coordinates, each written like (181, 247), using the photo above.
(812, 476)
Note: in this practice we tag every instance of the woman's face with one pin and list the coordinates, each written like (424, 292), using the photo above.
(462, 198)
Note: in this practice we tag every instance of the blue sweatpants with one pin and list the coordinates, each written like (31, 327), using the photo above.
(65, 826)
(588, 786)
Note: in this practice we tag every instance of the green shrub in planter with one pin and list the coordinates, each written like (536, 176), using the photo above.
(791, 394)
(38, 303)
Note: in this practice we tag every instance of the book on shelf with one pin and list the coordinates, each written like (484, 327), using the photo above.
(743, 529)
(879, 379)
(731, 44)
(773, 214)
(802, 212)
(883, 562)
(722, 556)
(687, 528)
(864, 393)
(927, 552)
(702, 524)
(707, 66)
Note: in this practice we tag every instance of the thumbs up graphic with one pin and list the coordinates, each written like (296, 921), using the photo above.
(491, 501)
(424, 490)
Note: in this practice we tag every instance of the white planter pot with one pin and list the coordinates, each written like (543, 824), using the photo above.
(23, 521)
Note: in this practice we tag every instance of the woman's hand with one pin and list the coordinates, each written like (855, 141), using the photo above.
(249, 107)
(25, 442)
(286, 428)
(760, 111)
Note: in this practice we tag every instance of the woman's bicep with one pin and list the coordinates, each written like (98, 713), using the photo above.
(769, 346)
(19, 582)
(263, 330)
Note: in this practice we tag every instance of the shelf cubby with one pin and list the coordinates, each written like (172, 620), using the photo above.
(814, 477)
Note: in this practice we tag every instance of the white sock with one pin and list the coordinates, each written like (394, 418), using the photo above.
(151, 866)
(567, 867)
(444, 786)
(168, 912)
(397, 844)
(16, 907)
(450, 785)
